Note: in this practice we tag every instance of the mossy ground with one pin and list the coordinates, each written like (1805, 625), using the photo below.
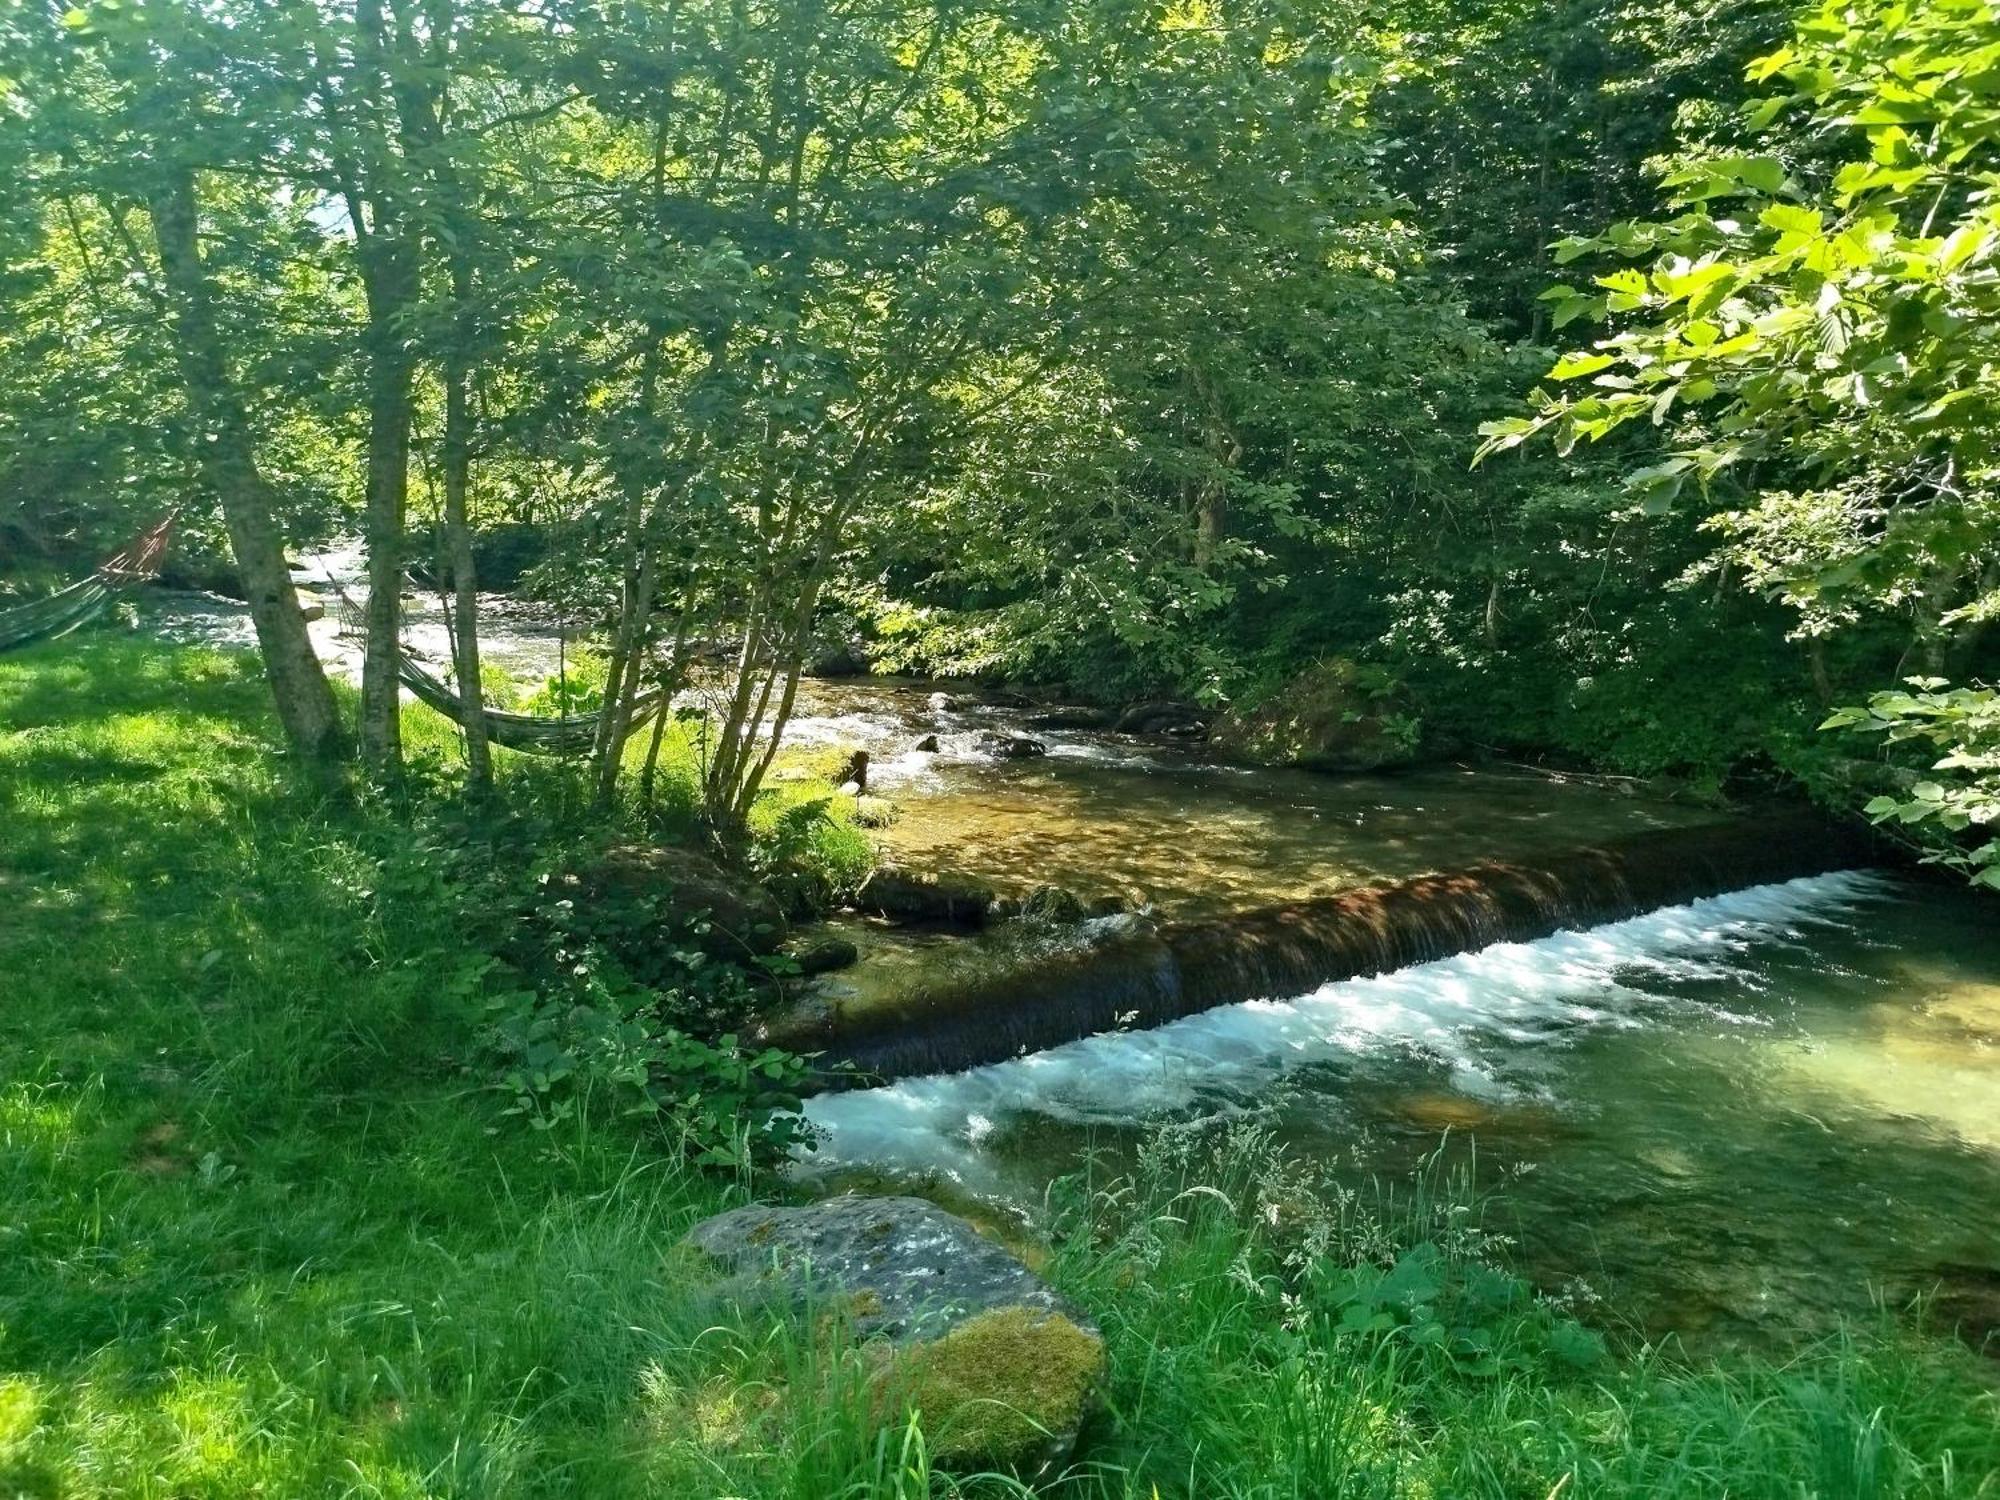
(265, 1231)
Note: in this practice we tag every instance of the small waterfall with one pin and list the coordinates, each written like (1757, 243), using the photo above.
(1483, 1014)
(1137, 974)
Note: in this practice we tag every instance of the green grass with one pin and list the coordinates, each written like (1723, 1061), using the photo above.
(263, 1230)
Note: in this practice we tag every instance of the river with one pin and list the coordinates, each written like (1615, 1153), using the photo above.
(1741, 1118)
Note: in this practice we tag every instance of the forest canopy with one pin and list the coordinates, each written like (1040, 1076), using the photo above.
(1139, 348)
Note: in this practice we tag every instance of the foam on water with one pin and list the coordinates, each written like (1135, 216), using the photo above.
(1494, 1018)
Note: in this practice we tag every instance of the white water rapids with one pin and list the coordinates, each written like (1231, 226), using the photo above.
(1493, 1017)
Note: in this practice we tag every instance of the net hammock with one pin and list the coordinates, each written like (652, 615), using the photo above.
(69, 609)
(537, 734)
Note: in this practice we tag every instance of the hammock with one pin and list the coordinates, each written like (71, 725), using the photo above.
(570, 734)
(565, 734)
(71, 608)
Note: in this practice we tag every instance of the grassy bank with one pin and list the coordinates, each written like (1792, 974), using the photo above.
(266, 1229)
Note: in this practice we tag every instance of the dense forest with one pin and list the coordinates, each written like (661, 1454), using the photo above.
(1141, 349)
(1574, 426)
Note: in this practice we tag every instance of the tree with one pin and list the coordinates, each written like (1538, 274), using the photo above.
(1820, 347)
(130, 107)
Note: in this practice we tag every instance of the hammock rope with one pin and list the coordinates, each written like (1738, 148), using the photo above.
(69, 609)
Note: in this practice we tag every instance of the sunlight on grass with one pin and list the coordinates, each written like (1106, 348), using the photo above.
(39, 1123)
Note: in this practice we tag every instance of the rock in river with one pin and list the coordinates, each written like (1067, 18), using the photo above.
(822, 955)
(1003, 1368)
(907, 895)
(1070, 718)
(1161, 718)
(1003, 746)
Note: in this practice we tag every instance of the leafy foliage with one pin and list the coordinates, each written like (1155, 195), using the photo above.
(1957, 803)
(1814, 333)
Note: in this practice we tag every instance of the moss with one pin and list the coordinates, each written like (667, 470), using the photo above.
(1335, 716)
(998, 1388)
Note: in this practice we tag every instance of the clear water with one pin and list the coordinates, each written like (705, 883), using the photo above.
(1736, 1118)
(1157, 823)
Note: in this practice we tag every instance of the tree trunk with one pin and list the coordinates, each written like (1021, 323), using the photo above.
(458, 534)
(389, 275)
(305, 702)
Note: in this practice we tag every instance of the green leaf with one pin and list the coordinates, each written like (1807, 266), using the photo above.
(1790, 219)
(1575, 366)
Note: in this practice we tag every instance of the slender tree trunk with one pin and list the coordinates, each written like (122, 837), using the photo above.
(458, 532)
(1822, 679)
(676, 674)
(305, 702)
(390, 281)
(635, 603)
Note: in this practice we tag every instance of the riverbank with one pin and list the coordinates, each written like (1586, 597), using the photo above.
(269, 1226)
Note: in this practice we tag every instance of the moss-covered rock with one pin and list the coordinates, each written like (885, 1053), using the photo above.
(1008, 1389)
(1051, 905)
(1004, 1371)
(1338, 715)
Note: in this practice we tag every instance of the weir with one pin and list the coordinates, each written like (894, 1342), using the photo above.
(1134, 972)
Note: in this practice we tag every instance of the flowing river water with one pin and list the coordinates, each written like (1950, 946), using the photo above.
(1742, 1117)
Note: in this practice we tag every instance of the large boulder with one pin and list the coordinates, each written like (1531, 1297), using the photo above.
(907, 895)
(717, 909)
(1071, 717)
(1335, 716)
(1004, 1369)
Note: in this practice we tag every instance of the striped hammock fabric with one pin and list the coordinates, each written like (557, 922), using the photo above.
(70, 609)
(570, 734)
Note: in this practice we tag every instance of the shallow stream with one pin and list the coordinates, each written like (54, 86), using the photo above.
(1739, 1117)
(1742, 1117)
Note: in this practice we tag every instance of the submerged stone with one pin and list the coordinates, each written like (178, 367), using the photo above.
(907, 895)
(1003, 1368)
